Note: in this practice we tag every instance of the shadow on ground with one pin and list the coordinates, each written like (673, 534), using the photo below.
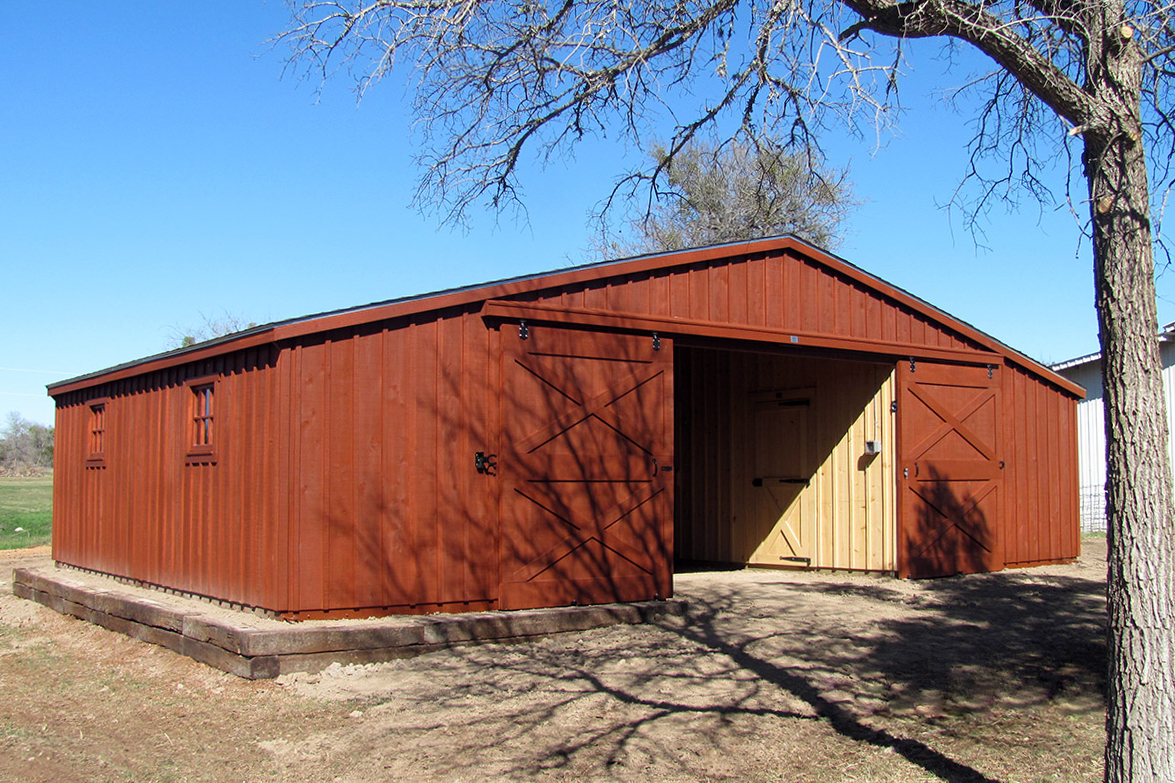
(770, 676)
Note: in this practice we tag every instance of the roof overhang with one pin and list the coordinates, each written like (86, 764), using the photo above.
(668, 326)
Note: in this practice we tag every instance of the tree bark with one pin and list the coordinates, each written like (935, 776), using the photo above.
(1140, 719)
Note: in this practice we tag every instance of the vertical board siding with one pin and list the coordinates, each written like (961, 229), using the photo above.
(1040, 439)
(368, 461)
(451, 474)
(848, 506)
(146, 514)
(781, 291)
(392, 514)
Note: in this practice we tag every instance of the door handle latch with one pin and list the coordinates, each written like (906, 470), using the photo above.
(486, 464)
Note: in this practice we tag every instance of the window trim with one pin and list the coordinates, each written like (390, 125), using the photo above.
(197, 453)
(99, 414)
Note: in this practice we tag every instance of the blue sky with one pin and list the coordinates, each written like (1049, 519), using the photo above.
(156, 168)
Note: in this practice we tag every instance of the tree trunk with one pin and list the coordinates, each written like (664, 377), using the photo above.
(1140, 720)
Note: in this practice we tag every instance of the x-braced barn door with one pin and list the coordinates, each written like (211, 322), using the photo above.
(949, 469)
(586, 465)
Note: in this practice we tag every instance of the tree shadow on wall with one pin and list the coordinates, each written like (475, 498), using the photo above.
(585, 511)
(567, 506)
(951, 532)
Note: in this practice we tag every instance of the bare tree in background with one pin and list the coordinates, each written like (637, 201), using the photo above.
(712, 193)
(496, 81)
(25, 444)
(212, 327)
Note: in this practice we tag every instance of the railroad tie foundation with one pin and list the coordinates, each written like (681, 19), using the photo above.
(255, 647)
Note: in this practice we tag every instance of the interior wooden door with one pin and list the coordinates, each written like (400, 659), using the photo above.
(781, 469)
(586, 465)
(950, 469)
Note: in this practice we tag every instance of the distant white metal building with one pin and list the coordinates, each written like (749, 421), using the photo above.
(1091, 429)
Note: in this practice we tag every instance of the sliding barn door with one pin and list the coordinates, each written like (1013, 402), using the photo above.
(949, 470)
(586, 465)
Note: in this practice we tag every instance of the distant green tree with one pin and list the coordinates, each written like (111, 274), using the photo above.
(714, 193)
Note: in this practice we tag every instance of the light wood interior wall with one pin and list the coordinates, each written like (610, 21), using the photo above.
(728, 433)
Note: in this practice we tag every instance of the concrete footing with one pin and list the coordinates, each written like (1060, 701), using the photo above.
(258, 648)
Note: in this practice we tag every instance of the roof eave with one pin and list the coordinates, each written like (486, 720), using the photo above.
(238, 341)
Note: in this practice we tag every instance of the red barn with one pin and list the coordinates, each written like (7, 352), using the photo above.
(566, 438)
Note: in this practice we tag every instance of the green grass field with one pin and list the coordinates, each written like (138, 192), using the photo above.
(25, 503)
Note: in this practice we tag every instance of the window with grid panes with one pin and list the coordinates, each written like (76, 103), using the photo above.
(203, 426)
(202, 418)
(97, 445)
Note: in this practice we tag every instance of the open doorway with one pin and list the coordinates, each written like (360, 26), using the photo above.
(784, 460)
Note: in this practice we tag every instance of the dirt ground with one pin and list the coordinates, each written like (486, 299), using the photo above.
(772, 676)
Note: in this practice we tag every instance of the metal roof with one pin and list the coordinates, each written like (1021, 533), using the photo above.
(1166, 335)
(411, 305)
